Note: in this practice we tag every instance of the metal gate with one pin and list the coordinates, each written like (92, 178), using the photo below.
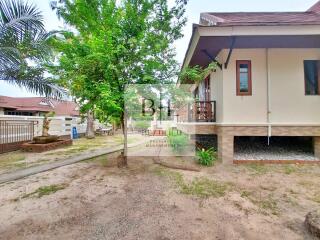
(15, 132)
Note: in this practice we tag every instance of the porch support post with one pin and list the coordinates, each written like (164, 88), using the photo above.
(316, 146)
(225, 148)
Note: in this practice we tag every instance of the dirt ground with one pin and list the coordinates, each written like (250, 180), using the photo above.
(96, 200)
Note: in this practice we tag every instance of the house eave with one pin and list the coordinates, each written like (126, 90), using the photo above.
(212, 39)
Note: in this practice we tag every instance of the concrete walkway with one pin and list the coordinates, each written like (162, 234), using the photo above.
(8, 177)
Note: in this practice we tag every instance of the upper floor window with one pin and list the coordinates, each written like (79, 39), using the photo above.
(312, 77)
(244, 81)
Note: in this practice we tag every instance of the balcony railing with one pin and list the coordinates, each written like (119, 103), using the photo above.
(202, 111)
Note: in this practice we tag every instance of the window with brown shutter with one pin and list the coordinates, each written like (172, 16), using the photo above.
(244, 78)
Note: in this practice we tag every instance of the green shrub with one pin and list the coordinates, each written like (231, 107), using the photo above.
(45, 190)
(177, 140)
(206, 157)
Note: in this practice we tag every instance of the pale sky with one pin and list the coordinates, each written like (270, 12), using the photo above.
(194, 8)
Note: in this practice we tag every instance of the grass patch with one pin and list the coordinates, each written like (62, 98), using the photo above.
(12, 160)
(307, 184)
(288, 169)
(258, 169)
(245, 194)
(290, 200)
(45, 190)
(199, 187)
(84, 144)
(269, 204)
(204, 188)
(106, 160)
(265, 204)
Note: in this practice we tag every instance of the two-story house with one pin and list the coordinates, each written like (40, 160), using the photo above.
(268, 79)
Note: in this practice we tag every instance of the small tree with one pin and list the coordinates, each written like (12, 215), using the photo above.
(117, 43)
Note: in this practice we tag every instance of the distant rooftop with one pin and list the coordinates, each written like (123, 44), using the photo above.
(40, 104)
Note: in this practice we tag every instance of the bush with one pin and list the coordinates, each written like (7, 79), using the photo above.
(206, 157)
(177, 140)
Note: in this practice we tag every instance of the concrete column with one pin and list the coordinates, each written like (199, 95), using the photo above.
(225, 148)
(316, 146)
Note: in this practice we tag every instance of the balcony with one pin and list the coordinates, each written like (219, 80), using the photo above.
(198, 118)
(202, 111)
(199, 111)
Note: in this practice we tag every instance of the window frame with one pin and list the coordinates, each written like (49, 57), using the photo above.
(305, 79)
(249, 92)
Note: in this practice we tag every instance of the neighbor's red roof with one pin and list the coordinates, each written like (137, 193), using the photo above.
(310, 17)
(33, 104)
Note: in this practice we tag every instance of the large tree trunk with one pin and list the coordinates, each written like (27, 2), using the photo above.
(90, 125)
(122, 160)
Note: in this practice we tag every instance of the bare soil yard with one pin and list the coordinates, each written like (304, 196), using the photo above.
(96, 200)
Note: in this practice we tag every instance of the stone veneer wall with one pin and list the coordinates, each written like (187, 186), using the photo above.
(316, 146)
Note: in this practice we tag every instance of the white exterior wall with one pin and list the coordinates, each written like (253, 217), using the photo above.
(216, 84)
(288, 102)
(245, 109)
(1, 111)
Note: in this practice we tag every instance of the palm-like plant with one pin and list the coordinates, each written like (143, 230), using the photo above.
(23, 47)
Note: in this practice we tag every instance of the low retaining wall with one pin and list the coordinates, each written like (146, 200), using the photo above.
(38, 148)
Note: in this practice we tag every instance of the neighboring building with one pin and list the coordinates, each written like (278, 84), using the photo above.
(268, 80)
(37, 106)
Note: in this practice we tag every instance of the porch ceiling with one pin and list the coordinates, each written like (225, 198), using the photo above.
(212, 45)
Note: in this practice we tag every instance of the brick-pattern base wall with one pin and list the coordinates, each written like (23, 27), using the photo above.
(193, 129)
(296, 131)
(316, 146)
(275, 131)
(199, 128)
(225, 148)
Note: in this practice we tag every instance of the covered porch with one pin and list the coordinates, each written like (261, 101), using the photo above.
(207, 41)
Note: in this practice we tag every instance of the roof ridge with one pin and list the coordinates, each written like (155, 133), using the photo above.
(309, 12)
(315, 8)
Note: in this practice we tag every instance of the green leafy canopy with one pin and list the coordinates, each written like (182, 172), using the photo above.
(115, 43)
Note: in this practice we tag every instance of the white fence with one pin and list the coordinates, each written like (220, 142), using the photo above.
(60, 126)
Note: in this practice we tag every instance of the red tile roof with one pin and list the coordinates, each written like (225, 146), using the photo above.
(310, 17)
(315, 8)
(40, 104)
